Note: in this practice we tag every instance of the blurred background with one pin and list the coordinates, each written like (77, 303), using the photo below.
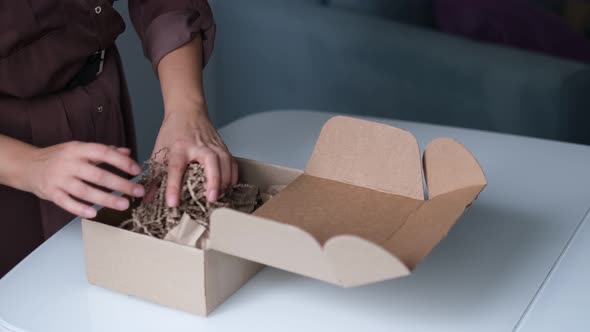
(513, 66)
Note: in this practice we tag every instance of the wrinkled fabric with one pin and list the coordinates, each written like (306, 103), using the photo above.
(43, 44)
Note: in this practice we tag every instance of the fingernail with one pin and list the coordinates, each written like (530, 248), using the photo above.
(138, 191)
(212, 196)
(89, 213)
(171, 201)
(135, 169)
(122, 204)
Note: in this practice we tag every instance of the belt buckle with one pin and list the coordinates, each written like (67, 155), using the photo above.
(101, 63)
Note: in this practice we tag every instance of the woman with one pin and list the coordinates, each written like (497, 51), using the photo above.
(64, 109)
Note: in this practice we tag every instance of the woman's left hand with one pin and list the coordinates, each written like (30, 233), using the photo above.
(189, 136)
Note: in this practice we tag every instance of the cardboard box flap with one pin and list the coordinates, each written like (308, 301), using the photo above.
(368, 154)
(357, 214)
(449, 166)
(344, 260)
(425, 228)
(264, 174)
(343, 244)
(320, 228)
(454, 179)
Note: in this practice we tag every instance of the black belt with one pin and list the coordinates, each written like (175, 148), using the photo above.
(88, 73)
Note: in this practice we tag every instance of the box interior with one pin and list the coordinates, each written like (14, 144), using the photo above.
(113, 217)
(325, 208)
(253, 172)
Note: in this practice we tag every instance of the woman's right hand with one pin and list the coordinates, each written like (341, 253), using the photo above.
(61, 172)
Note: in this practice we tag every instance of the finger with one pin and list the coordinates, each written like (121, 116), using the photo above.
(210, 162)
(225, 167)
(176, 166)
(99, 153)
(234, 171)
(106, 179)
(111, 147)
(63, 200)
(92, 195)
(123, 150)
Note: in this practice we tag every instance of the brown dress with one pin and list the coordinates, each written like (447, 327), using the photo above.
(43, 44)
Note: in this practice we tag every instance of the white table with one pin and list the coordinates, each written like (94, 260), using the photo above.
(564, 302)
(501, 268)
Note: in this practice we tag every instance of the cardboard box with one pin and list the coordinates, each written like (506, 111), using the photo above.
(181, 277)
(356, 215)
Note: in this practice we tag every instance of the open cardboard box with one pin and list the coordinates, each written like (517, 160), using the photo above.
(356, 215)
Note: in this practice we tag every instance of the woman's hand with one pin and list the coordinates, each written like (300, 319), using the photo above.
(64, 171)
(189, 136)
(186, 131)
